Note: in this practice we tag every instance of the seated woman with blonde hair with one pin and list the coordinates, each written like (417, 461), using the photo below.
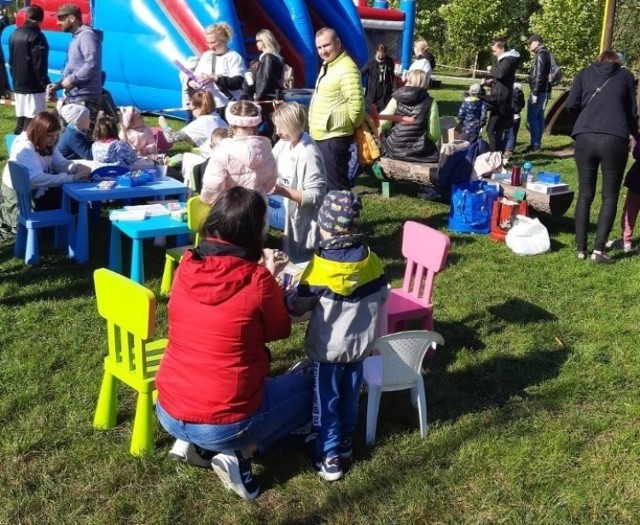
(416, 141)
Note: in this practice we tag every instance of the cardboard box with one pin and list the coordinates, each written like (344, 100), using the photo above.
(548, 189)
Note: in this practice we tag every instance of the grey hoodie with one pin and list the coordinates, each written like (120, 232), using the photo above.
(84, 65)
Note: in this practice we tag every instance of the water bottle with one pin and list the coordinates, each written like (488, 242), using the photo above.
(515, 175)
(527, 168)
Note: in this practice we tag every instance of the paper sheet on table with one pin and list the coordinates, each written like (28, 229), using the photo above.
(127, 215)
(150, 210)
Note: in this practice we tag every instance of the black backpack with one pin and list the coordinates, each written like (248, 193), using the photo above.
(555, 73)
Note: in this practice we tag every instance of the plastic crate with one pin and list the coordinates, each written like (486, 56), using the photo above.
(547, 177)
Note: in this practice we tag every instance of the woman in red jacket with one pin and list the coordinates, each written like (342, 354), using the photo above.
(213, 389)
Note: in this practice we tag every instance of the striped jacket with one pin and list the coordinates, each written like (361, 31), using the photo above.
(337, 106)
(344, 289)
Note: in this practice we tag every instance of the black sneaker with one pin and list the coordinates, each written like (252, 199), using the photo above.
(345, 450)
(329, 468)
(583, 256)
(235, 472)
(601, 258)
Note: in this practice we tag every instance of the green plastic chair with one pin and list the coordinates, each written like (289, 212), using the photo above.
(130, 311)
(197, 212)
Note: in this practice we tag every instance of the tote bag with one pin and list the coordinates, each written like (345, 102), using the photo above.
(471, 206)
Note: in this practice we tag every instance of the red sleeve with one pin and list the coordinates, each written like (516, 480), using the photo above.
(277, 323)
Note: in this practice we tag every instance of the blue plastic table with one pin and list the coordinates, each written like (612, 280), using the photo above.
(85, 192)
(137, 231)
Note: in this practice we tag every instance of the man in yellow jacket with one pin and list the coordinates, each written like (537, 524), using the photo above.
(337, 107)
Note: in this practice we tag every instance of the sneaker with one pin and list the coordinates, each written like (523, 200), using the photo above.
(235, 472)
(601, 258)
(329, 468)
(427, 193)
(582, 256)
(189, 453)
(618, 244)
(345, 450)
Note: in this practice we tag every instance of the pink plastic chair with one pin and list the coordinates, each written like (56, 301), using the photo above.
(426, 252)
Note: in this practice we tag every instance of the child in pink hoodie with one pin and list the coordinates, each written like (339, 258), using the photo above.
(134, 131)
(243, 159)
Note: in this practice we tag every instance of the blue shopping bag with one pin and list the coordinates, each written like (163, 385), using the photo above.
(471, 205)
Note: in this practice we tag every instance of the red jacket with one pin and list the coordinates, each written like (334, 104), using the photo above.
(223, 310)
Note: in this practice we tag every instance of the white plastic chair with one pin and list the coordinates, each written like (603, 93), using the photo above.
(397, 365)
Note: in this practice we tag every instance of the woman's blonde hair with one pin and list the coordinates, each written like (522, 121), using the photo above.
(291, 118)
(221, 30)
(416, 78)
(269, 41)
(421, 44)
(203, 100)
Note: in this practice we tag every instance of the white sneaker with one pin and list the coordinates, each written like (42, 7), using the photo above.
(186, 453)
(235, 472)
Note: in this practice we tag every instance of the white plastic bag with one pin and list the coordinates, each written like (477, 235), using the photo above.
(528, 237)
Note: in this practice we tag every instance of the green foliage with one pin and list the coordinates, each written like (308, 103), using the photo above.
(571, 29)
(626, 37)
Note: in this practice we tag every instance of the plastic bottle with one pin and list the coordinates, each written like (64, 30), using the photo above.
(527, 169)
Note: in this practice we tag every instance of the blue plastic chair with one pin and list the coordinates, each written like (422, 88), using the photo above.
(30, 221)
(8, 142)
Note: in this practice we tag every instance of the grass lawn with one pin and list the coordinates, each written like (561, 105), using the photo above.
(533, 400)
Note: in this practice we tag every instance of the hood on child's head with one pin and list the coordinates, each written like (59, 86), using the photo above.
(131, 117)
(340, 212)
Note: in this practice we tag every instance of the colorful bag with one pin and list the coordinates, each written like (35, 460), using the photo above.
(367, 142)
(471, 206)
(503, 216)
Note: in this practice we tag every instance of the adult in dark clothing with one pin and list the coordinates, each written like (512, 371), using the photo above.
(270, 72)
(501, 79)
(380, 78)
(29, 64)
(539, 87)
(416, 141)
(604, 98)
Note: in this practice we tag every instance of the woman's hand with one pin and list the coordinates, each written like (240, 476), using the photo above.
(82, 172)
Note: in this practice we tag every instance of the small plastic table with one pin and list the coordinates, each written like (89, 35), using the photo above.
(85, 192)
(150, 227)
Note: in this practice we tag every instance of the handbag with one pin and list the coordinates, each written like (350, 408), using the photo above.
(471, 207)
(503, 216)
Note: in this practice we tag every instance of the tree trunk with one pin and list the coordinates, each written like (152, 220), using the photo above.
(475, 65)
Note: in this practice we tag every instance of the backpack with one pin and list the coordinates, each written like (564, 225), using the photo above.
(555, 73)
(517, 101)
(367, 142)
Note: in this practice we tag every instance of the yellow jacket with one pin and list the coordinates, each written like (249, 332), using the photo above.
(337, 106)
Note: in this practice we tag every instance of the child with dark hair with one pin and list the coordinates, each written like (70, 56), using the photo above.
(108, 148)
(344, 287)
(472, 114)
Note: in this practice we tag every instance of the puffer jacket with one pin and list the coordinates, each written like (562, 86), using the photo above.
(240, 161)
(502, 75)
(539, 72)
(472, 115)
(410, 142)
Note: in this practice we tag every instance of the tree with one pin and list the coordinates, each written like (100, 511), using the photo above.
(571, 30)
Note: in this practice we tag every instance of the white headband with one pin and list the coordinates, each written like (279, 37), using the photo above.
(243, 122)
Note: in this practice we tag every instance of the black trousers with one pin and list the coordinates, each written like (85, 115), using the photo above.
(497, 127)
(610, 153)
(336, 156)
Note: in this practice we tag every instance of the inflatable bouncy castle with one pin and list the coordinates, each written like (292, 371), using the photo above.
(143, 38)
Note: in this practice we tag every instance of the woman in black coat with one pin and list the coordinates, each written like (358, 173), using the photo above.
(380, 78)
(270, 73)
(501, 79)
(604, 98)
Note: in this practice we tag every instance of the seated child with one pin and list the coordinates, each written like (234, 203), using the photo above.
(472, 114)
(134, 131)
(344, 287)
(198, 171)
(517, 105)
(244, 159)
(107, 148)
(74, 141)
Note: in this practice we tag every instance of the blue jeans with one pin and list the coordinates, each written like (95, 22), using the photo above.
(535, 118)
(512, 137)
(336, 397)
(286, 406)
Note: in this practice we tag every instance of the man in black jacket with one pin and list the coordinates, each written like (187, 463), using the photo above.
(29, 62)
(539, 85)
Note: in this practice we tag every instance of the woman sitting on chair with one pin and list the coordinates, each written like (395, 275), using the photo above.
(36, 150)
(416, 141)
(225, 306)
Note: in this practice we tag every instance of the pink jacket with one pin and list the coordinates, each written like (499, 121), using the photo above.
(141, 140)
(240, 161)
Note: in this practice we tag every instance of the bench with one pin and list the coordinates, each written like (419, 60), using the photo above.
(555, 204)
(389, 170)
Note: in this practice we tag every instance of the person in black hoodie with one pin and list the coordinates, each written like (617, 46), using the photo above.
(29, 63)
(380, 75)
(501, 79)
(604, 98)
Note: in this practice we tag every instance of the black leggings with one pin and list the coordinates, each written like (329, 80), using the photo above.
(497, 128)
(610, 153)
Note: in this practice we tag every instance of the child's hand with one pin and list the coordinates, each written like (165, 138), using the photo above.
(274, 260)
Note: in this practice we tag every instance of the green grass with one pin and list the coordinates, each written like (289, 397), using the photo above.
(533, 400)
